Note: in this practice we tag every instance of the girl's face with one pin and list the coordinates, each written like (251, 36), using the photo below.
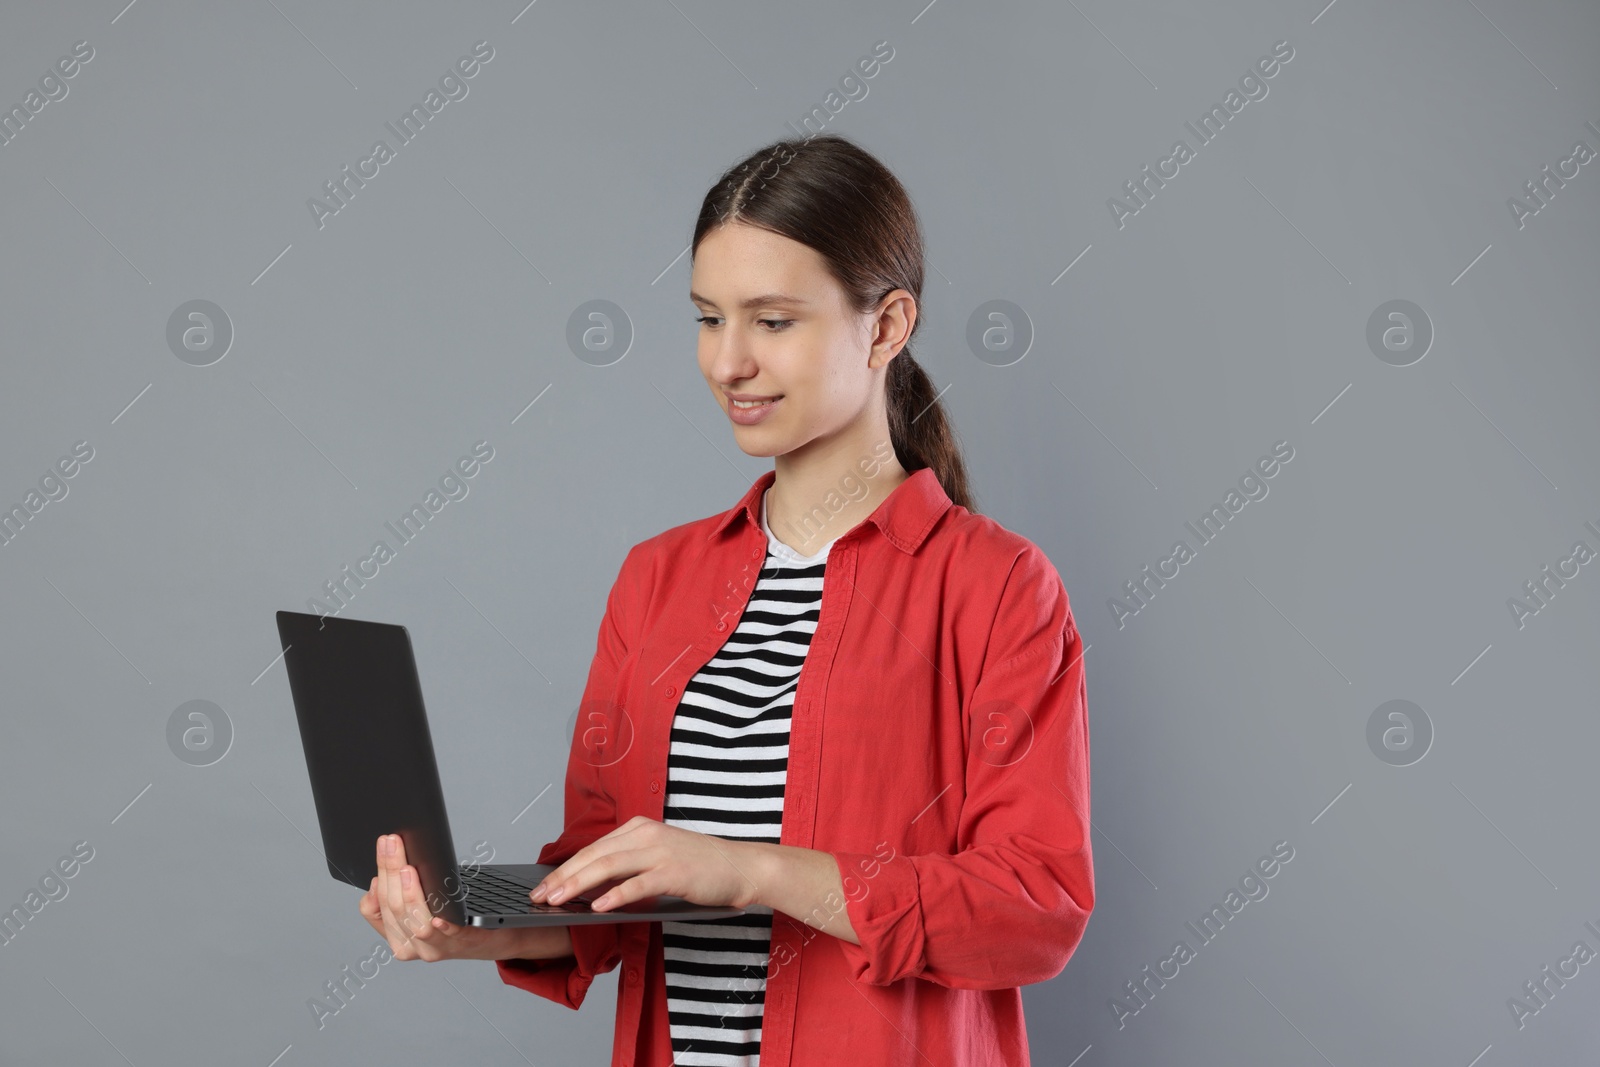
(776, 324)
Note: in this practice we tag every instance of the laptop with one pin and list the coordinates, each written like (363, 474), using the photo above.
(369, 752)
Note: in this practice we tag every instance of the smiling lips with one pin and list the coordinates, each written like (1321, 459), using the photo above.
(748, 411)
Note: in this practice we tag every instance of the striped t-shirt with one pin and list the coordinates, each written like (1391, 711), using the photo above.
(726, 768)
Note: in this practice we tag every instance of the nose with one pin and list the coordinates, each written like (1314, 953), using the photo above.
(732, 359)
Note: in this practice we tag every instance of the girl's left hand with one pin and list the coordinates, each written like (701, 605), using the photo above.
(644, 857)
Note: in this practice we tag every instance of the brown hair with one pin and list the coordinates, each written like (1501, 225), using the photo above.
(833, 196)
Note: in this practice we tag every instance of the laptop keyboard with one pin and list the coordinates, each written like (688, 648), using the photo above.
(490, 892)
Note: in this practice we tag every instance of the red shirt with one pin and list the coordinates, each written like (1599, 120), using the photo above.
(938, 750)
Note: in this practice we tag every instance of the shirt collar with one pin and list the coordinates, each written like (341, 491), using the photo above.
(905, 516)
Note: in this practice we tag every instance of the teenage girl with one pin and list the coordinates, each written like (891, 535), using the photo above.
(850, 704)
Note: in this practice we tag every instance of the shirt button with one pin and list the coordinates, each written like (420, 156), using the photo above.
(756, 554)
(633, 974)
(721, 626)
(672, 690)
(655, 785)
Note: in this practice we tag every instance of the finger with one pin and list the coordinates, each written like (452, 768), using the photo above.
(436, 938)
(416, 920)
(445, 929)
(380, 883)
(600, 846)
(395, 861)
(378, 899)
(402, 925)
(612, 865)
(626, 892)
(391, 897)
(369, 908)
(564, 870)
(381, 890)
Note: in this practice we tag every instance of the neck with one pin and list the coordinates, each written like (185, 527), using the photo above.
(820, 492)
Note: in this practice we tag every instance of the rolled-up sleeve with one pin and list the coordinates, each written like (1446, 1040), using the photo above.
(590, 812)
(1010, 907)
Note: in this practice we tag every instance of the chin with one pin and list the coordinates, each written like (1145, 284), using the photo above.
(760, 440)
(757, 449)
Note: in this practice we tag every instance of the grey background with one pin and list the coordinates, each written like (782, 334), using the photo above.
(1229, 314)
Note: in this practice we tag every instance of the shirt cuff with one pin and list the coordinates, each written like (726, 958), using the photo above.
(884, 902)
(596, 948)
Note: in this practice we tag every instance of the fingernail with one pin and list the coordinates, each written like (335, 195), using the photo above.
(556, 895)
(405, 877)
(538, 892)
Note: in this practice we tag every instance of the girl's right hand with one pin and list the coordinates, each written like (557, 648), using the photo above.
(396, 907)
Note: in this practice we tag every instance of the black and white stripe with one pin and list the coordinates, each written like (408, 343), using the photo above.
(726, 769)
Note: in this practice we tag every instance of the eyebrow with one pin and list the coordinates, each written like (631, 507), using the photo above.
(764, 300)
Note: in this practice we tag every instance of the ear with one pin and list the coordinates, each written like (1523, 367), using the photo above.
(896, 318)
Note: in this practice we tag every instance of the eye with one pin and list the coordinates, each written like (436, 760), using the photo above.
(775, 325)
